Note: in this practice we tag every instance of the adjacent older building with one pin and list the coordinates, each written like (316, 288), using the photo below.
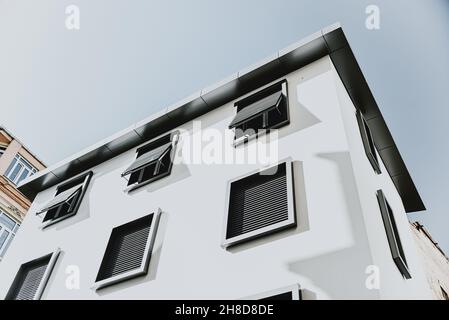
(16, 164)
(435, 261)
(158, 211)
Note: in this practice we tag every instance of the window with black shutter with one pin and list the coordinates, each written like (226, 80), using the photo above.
(292, 292)
(153, 161)
(67, 200)
(392, 232)
(128, 251)
(260, 203)
(368, 142)
(32, 278)
(260, 112)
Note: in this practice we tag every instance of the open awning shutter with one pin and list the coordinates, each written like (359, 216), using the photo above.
(256, 108)
(147, 158)
(60, 198)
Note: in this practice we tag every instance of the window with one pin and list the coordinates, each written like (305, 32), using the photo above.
(368, 142)
(128, 251)
(153, 161)
(259, 204)
(292, 292)
(30, 281)
(19, 169)
(264, 110)
(66, 201)
(8, 229)
(2, 151)
(391, 230)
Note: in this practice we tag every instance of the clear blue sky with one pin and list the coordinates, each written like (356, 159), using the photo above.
(61, 90)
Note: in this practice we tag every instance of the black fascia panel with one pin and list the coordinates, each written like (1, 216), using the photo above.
(381, 135)
(362, 97)
(221, 93)
(187, 110)
(331, 42)
(392, 160)
(410, 197)
(124, 141)
(41, 181)
(94, 158)
(67, 169)
(260, 74)
(349, 70)
(148, 130)
(335, 39)
(303, 55)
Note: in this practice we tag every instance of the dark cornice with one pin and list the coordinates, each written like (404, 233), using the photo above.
(329, 41)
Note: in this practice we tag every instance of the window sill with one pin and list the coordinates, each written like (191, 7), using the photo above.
(144, 183)
(260, 133)
(52, 222)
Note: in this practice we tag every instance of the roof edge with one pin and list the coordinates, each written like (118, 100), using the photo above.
(328, 41)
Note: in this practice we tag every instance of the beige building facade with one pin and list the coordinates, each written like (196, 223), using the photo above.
(16, 164)
(435, 261)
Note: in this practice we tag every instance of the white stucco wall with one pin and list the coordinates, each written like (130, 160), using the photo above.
(392, 284)
(326, 254)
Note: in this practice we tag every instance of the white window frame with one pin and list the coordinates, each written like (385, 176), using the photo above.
(249, 137)
(84, 185)
(174, 141)
(11, 232)
(25, 165)
(291, 220)
(295, 289)
(45, 277)
(145, 259)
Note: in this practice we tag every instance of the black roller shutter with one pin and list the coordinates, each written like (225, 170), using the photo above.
(28, 279)
(126, 248)
(257, 201)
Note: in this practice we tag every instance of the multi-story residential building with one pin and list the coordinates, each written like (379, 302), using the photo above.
(167, 209)
(435, 261)
(16, 164)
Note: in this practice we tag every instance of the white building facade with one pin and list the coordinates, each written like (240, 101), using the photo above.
(144, 215)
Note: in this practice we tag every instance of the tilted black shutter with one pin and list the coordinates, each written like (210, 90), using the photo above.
(394, 241)
(28, 279)
(257, 201)
(368, 142)
(67, 199)
(126, 248)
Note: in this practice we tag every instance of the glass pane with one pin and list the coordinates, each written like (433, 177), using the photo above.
(15, 172)
(16, 228)
(24, 174)
(10, 167)
(7, 221)
(7, 245)
(23, 161)
(3, 237)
